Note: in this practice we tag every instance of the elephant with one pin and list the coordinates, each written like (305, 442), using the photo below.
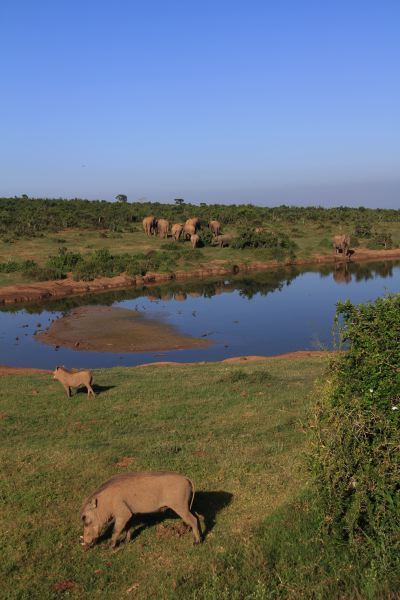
(215, 227)
(195, 240)
(341, 273)
(341, 243)
(162, 227)
(149, 225)
(195, 222)
(188, 230)
(176, 230)
(222, 240)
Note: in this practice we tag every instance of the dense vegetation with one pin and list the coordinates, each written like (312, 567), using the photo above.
(357, 461)
(46, 239)
(32, 217)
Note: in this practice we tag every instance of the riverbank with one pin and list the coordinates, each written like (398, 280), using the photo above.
(35, 292)
(289, 356)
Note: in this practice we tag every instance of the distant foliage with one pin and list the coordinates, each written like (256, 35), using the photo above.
(357, 461)
(30, 217)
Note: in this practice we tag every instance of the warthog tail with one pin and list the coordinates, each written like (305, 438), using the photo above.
(193, 491)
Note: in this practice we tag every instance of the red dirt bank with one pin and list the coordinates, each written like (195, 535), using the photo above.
(234, 359)
(45, 290)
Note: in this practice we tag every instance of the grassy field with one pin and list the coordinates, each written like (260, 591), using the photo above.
(237, 430)
(311, 239)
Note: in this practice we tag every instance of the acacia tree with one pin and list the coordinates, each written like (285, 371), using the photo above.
(121, 198)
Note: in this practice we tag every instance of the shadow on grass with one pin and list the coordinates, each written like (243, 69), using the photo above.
(98, 389)
(205, 504)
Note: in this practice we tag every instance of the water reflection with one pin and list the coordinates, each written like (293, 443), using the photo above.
(254, 313)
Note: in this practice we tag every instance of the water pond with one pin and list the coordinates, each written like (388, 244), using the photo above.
(264, 313)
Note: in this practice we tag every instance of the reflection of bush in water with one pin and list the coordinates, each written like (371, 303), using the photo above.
(360, 271)
(261, 283)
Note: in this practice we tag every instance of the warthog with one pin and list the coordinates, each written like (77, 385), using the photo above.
(122, 496)
(73, 379)
(341, 243)
(222, 240)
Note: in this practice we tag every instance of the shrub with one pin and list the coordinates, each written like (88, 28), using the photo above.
(356, 460)
(206, 237)
(64, 261)
(12, 266)
(363, 230)
(248, 238)
(380, 239)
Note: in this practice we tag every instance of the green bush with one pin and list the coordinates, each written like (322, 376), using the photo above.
(356, 462)
(280, 244)
(12, 266)
(64, 261)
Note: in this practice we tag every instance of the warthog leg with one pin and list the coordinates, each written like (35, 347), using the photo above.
(124, 514)
(190, 520)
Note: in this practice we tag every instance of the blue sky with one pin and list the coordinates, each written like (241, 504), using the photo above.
(224, 101)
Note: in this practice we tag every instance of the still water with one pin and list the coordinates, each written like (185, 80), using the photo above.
(262, 313)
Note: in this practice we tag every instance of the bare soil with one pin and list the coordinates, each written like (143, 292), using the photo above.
(33, 292)
(235, 359)
(111, 329)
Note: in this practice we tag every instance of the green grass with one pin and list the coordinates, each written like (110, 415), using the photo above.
(240, 431)
(236, 430)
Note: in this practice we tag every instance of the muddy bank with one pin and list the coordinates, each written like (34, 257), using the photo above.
(235, 359)
(45, 290)
(246, 359)
(111, 329)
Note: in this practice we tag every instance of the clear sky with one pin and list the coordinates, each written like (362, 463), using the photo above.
(262, 101)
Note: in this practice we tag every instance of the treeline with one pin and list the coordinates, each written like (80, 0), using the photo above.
(30, 217)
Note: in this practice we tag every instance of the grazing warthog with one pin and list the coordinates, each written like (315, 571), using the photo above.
(195, 240)
(162, 227)
(215, 227)
(122, 496)
(176, 230)
(222, 240)
(341, 243)
(73, 379)
(149, 225)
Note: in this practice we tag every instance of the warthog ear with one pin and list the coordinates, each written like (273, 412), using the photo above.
(93, 503)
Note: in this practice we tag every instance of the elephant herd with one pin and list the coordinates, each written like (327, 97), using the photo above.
(186, 231)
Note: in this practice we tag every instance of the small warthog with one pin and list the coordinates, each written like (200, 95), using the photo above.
(122, 496)
(73, 379)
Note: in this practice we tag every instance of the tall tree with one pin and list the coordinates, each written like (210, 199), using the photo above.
(121, 198)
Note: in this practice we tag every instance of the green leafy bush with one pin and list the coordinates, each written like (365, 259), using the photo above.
(12, 266)
(356, 463)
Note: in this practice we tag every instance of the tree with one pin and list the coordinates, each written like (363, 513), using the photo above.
(121, 198)
(179, 201)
